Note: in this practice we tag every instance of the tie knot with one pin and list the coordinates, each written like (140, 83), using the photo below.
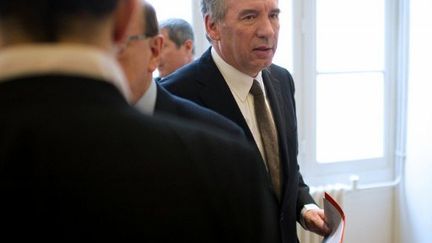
(256, 88)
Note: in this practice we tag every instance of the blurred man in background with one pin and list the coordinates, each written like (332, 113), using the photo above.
(139, 57)
(178, 48)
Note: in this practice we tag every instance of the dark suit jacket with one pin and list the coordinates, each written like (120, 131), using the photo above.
(78, 163)
(202, 82)
(167, 103)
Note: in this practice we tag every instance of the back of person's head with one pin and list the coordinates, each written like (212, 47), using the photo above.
(45, 20)
(179, 31)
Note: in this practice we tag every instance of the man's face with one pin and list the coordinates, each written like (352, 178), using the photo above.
(135, 58)
(172, 56)
(247, 36)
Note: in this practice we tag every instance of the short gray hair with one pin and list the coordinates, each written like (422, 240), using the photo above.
(214, 8)
(179, 30)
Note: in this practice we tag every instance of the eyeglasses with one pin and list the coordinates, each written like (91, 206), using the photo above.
(138, 37)
(132, 38)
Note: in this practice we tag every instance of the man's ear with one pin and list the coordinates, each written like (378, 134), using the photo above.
(188, 44)
(156, 44)
(123, 17)
(211, 28)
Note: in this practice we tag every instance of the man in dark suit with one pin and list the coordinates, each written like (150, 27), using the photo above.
(227, 79)
(78, 163)
(140, 58)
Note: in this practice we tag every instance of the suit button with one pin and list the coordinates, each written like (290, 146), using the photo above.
(282, 217)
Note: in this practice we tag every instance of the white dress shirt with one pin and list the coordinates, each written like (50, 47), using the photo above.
(240, 85)
(68, 59)
(147, 102)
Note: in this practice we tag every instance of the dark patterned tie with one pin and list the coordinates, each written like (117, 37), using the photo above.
(268, 136)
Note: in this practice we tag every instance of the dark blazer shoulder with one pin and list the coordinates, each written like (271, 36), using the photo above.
(79, 163)
(171, 104)
(192, 76)
(281, 74)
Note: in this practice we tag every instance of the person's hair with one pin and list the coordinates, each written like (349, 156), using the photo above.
(179, 31)
(150, 20)
(43, 20)
(214, 8)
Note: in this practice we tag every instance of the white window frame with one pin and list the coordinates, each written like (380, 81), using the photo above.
(370, 170)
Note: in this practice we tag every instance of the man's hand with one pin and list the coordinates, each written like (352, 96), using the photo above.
(314, 220)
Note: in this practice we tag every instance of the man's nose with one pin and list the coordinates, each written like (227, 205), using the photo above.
(266, 27)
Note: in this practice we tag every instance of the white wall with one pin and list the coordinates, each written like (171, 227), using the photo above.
(370, 216)
(416, 197)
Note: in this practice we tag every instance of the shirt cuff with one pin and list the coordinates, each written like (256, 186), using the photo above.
(306, 208)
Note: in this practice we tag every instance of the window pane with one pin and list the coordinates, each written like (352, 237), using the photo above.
(166, 9)
(350, 117)
(284, 54)
(350, 35)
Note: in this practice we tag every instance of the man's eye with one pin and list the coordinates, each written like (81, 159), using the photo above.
(249, 17)
(274, 16)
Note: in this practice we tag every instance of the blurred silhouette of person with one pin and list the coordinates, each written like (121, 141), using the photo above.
(77, 162)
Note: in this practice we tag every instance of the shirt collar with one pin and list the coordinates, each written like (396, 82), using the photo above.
(69, 59)
(147, 102)
(239, 83)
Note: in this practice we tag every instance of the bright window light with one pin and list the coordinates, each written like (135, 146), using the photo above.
(166, 9)
(350, 117)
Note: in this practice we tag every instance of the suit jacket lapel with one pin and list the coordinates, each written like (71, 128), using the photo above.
(162, 103)
(223, 103)
(165, 102)
(274, 95)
